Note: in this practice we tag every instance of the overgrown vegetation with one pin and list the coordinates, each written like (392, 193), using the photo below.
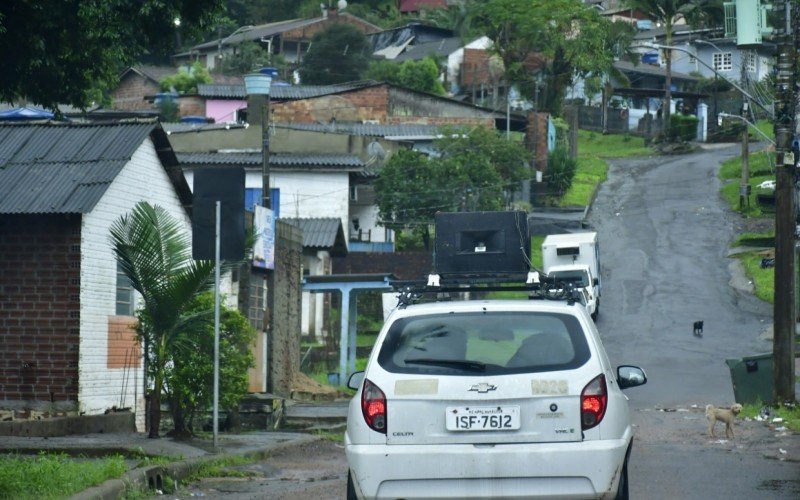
(187, 78)
(47, 476)
(789, 414)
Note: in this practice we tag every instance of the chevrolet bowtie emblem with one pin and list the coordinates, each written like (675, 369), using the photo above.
(483, 387)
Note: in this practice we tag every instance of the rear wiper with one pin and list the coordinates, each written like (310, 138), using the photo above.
(475, 366)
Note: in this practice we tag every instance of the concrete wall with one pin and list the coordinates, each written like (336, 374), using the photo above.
(223, 110)
(68, 426)
(284, 338)
(104, 384)
(40, 315)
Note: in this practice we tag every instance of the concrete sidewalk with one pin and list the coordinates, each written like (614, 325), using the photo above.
(188, 455)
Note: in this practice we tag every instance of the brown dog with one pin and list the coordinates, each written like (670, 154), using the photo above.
(723, 415)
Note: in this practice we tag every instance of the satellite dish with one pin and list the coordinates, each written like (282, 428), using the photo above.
(342, 4)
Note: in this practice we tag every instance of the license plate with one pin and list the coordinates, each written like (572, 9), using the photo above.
(482, 418)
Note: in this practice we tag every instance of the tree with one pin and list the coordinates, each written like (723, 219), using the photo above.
(337, 54)
(156, 257)
(60, 51)
(472, 170)
(190, 375)
(249, 56)
(187, 78)
(416, 75)
(566, 34)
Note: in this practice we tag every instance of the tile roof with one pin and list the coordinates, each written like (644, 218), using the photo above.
(63, 168)
(281, 92)
(319, 232)
(340, 162)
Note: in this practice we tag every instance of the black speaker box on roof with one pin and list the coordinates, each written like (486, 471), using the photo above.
(479, 243)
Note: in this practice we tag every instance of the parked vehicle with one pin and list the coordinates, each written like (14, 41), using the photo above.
(490, 398)
(566, 256)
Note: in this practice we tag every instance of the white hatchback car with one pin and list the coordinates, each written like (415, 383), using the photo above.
(490, 399)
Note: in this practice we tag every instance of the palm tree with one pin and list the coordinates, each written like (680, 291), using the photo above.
(668, 12)
(665, 12)
(155, 255)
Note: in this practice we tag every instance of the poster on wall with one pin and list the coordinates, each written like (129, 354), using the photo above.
(264, 249)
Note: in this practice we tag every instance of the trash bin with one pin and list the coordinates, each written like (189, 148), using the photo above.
(752, 378)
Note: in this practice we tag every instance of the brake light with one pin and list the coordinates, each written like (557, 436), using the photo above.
(373, 406)
(594, 399)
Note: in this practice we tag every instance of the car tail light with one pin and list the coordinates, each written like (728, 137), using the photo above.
(594, 399)
(373, 406)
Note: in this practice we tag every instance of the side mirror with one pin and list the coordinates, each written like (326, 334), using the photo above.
(595, 281)
(355, 380)
(630, 376)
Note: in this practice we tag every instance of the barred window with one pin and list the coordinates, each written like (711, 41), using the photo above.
(723, 61)
(125, 297)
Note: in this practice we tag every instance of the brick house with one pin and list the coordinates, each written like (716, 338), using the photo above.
(66, 343)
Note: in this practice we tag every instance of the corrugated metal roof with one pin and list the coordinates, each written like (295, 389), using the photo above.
(281, 92)
(647, 69)
(318, 232)
(438, 48)
(62, 168)
(342, 162)
(267, 30)
(367, 129)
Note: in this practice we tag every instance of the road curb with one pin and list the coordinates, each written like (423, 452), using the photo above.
(154, 477)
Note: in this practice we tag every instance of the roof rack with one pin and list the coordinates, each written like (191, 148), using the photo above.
(538, 286)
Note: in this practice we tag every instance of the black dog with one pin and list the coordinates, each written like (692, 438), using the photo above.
(698, 328)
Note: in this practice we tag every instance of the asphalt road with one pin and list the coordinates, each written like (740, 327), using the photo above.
(665, 233)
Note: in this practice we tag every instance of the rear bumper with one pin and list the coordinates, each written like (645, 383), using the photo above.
(588, 469)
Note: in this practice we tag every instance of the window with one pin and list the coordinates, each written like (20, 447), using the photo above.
(463, 344)
(750, 61)
(723, 61)
(125, 297)
(353, 192)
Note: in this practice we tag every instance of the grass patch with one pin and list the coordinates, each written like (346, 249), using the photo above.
(219, 468)
(789, 414)
(730, 173)
(54, 475)
(332, 436)
(611, 145)
(755, 240)
(592, 169)
(763, 279)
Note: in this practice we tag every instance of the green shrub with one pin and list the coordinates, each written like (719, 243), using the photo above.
(682, 127)
(185, 81)
(560, 171)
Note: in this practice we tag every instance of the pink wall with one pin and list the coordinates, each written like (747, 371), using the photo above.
(223, 111)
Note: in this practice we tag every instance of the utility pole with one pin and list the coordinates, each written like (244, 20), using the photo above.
(784, 312)
(744, 186)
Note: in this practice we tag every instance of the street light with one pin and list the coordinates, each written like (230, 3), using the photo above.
(257, 87)
(770, 112)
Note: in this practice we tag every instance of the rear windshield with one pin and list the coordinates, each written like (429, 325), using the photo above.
(581, 277)
(489, 343)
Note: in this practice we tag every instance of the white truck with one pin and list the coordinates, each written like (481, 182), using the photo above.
(575, 256)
